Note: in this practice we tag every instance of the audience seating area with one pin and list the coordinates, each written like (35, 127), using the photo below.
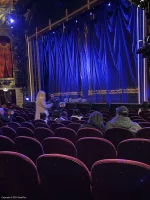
(60, 161)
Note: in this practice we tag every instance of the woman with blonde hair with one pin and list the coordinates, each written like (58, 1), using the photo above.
(41, 106)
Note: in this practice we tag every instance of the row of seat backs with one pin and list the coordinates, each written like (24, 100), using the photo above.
(63, 177)
(115, 135)
(88, 150)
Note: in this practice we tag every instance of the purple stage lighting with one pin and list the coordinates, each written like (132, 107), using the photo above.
(109, 4)
(91, 13)
(76, 21)
(27, 98)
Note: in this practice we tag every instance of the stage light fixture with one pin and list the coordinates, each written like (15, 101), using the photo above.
(27, 98)
(76, 21)
(91, 13)
(5, 89)
(109, 4)
(12, 21)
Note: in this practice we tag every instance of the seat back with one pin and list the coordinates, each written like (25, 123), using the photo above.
(29, 147)
(90, 150)
(54, 126)
(59, 146)
(27, 125)
(51, 122)
(63, 177)
(42, 133)
(66, 122)
(89, 132)
(6, 144)
(81, 121)
(20, 119)
(67, 133)
(116, 135)
(39, 121)
(144, 124)
(139, 120)
(143, 133)
(135, 149)
(18, 176)
(14, 125)
(38, 125)
(9, 132)
(74, 119)
(123, 179)
(23, 131)
(25, 116)
(74, 126)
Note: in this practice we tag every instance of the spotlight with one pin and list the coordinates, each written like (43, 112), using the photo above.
(5, 89)
(76, 21)
(11, 20)
(109, 4)
(12, 27)
(91, 13)
(27, 98)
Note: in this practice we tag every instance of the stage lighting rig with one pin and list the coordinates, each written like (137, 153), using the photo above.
(144, 4)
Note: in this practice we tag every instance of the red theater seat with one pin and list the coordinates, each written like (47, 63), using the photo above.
(59, 146)
(18, 176)
(63, 177)
(90, 150)
(120, 180)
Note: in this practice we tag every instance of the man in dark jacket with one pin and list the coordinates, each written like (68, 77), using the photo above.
(123, 121)
(55, 101)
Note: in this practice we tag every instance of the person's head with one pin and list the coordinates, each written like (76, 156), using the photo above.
(62, 104)
(41, 96)
(76, 112)
(145, 105)
(52, 96)
(96, 119)
(64, 115)
(122, 111)
(10, 112)
(56, 114)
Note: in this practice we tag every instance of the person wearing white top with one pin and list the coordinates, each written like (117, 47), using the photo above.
(77, 114)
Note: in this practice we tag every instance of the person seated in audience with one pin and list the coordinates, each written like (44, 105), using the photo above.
(95, 121)
(55, 115)
(123, 121)
(145, 107)
(63, 116)
(77, 114)
(6, 116)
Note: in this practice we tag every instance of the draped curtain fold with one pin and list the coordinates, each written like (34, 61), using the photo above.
(95, 58)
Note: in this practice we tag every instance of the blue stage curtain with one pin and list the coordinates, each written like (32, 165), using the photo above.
(95, 56)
